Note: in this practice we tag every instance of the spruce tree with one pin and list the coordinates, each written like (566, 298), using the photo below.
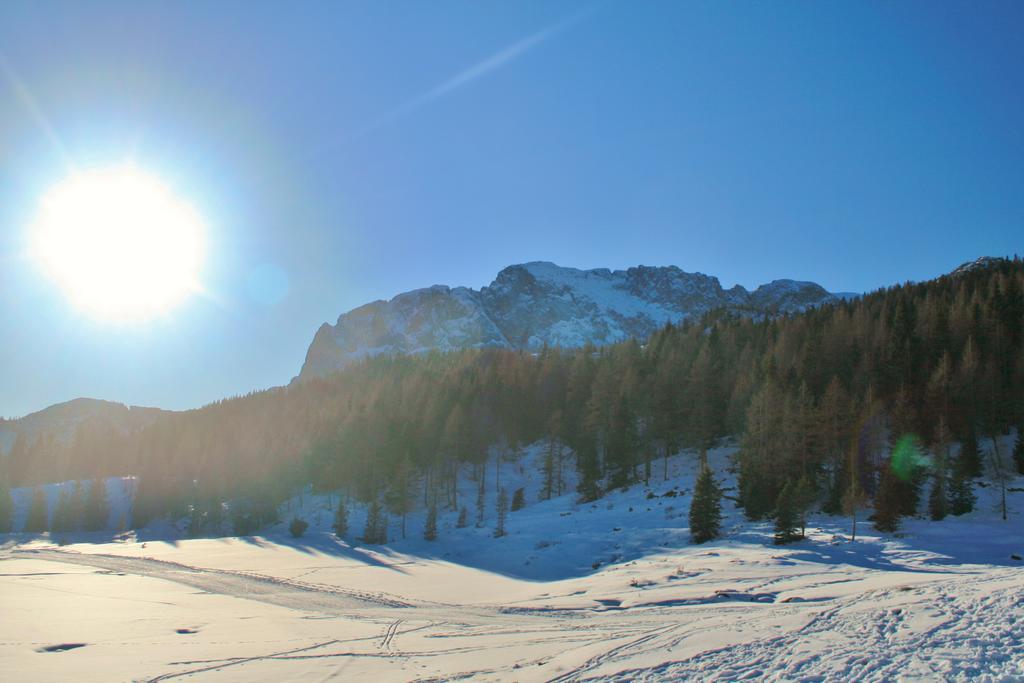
(481, 500)
(62, 512)
(430, 527)
(96, 507)
(376, 526)
(76, 507)
(1018, 450)
(938, 505)
(38, 520)
(888, 502)
(501, 507)
(463, 519)
(961, 494)
(804, 496)
(587, 462)
(518, 499)
(6, 509)
(705, 508)
(341, 520)
(969, 460)
(787, 515)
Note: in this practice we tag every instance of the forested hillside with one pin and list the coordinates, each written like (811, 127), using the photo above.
(819, 402)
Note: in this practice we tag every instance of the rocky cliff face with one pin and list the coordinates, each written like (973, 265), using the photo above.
(533, 304)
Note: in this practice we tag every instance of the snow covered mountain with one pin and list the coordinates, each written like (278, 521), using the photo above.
(538, 303)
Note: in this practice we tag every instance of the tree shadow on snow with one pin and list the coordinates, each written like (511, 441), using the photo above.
(328, 544)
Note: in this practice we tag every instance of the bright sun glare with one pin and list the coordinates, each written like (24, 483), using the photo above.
(119, 243)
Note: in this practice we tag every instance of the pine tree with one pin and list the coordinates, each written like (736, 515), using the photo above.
(787, 515)
(937, 500)
(518, 499)
(481, 500)
(501, 507)
(76, 507)
(888, 502)
(376, 525)
(621, 444)
(804, 495)
(96, 507)
(341, 520)
(38, 520)
(961, 494)
(547, 488)
(969, 460)
(589, 467)
(6, 509)
(430, 527)
(705, 508)
(62, 512)
(463, 520)
(1018, 450)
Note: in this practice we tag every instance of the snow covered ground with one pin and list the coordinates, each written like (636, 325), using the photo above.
(609, 591)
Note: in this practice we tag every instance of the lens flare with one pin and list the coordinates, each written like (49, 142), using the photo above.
(908, 457)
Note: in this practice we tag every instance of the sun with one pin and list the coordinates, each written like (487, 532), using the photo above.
(119, 243)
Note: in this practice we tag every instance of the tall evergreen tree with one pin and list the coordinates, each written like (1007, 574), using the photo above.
(38, 520)
(501, 507)
(1018, 450)
(97, 509)
(589, 467)
(376, 531)
(430, 527)
(969, 460)
(76, 507)
(705, 508)
(961, 494)
(787, 516)
(888, 502)
(938, 506)
(622, 444)
(6, 509)
(341, 520)
(481, 498)
(62, 520)
(804, 495)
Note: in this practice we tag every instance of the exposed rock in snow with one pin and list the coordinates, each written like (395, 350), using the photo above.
(977, 264)
(533, 304)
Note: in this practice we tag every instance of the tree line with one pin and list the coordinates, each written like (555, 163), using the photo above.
(820, 402)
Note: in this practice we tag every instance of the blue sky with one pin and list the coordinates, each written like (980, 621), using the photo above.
(350, 151)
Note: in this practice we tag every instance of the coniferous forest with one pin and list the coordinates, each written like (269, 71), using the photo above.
(868, 401)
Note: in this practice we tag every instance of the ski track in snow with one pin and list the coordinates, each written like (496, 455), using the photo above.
(950, 634)
(248, 585)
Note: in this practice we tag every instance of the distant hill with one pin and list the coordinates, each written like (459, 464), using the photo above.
(60, 421)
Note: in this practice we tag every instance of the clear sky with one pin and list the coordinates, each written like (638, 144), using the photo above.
(341, 152)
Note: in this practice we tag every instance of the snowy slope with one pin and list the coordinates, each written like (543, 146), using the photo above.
(604, 591)
(533, 304)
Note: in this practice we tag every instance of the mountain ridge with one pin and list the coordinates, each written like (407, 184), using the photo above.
(530, 305)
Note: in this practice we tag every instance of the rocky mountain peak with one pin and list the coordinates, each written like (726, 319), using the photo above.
(530, 305)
